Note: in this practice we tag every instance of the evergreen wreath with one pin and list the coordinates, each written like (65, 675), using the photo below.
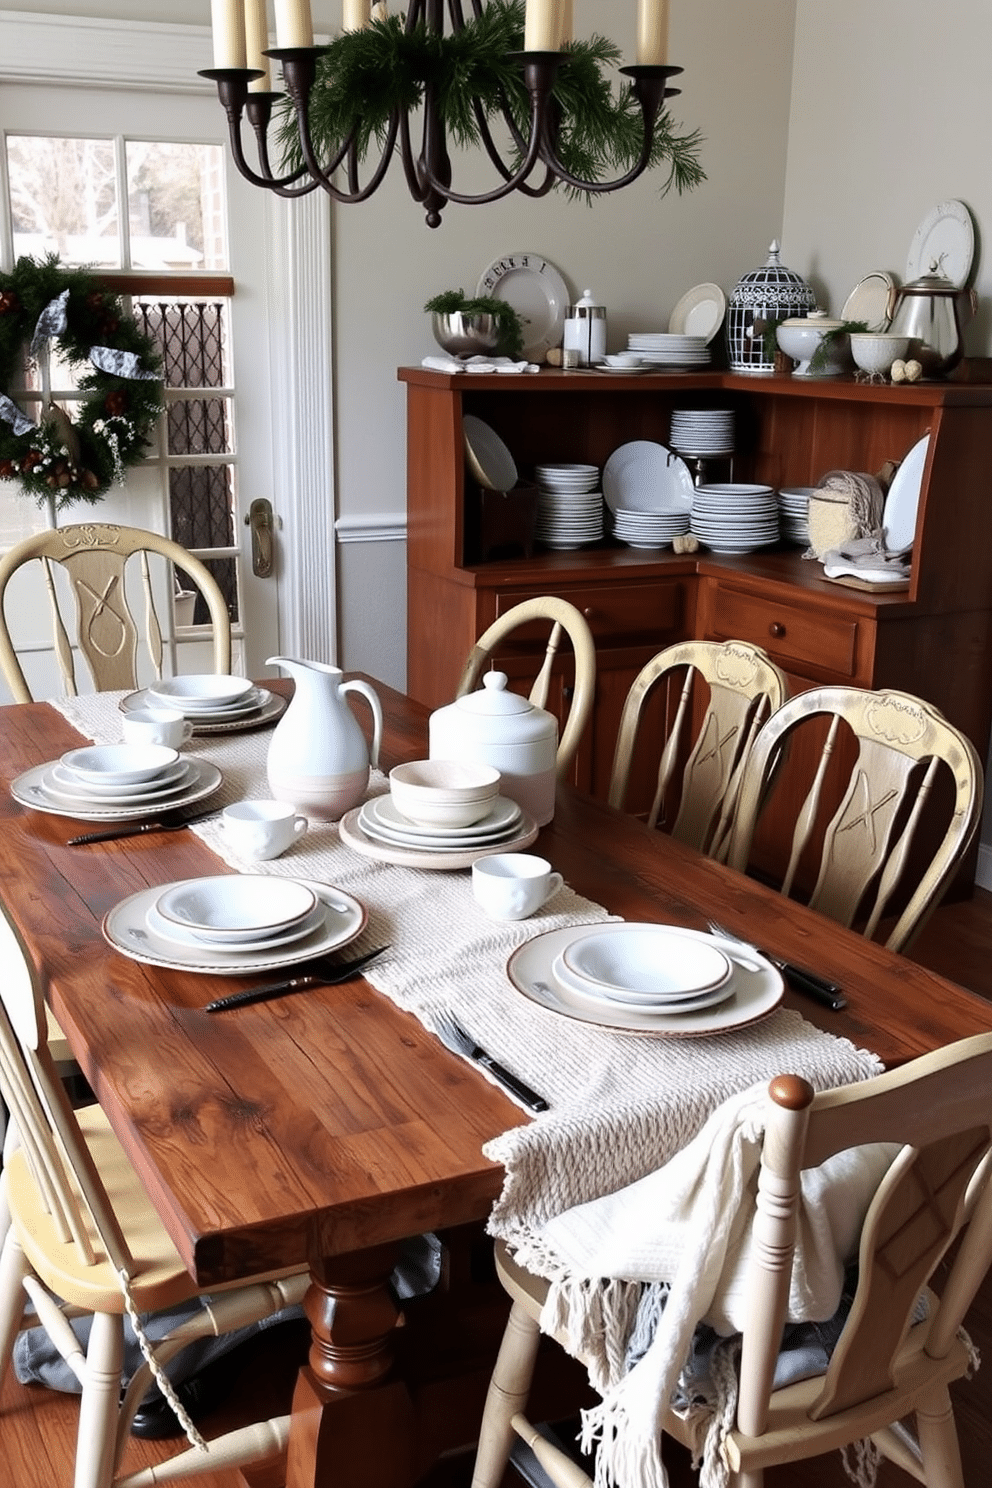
(57, 458)
(364, 75)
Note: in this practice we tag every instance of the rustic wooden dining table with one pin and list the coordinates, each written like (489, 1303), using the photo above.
(331, 1127)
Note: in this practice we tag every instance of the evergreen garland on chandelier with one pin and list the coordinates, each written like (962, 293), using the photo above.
(367, 74)
(58, 459)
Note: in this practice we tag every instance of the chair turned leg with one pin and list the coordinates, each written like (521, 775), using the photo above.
(95, 1438)
(508, 1391)
(939, 1446)
(13, 1269)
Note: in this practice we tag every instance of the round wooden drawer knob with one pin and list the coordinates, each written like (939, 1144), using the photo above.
(588, 612)
(776, 628)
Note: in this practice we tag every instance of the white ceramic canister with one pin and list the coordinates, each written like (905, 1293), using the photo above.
(500, 728)
(585, 331)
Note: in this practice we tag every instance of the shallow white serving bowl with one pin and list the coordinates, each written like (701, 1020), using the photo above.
(119, 764)
(876, 351)
(204, 690)
(444, 793)
(242, 907)
(643, 965)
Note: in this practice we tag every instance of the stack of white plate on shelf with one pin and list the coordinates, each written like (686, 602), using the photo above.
(116, 782)
(207, 697)
(663, 349)
(646, 969)
(235, 923)
(648, 529)
(380, 820)
(793, 505)
(569, 506)
(735, 518)
(703, 431)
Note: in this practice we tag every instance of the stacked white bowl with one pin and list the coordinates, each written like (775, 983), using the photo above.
(793, 505)
(733, 517)
(569, 506)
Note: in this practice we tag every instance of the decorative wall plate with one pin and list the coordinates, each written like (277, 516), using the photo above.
(944, 243)
(538, 293)
(699, 312)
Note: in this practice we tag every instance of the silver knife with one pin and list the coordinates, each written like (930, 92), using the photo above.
(137, 829)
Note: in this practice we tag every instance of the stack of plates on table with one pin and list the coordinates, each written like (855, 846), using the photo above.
(379, 830)
(213, 702)
(569, 506)
(236, 923)
(735, 518)
(793, 505)
(646, 978)
(663, 349)
(116, 782)
(648, 529)
(703, 431)
(646, 477)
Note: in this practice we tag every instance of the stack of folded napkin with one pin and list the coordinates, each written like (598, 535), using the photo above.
(477, 364)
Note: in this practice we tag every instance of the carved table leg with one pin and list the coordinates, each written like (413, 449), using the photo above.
(353, 1424)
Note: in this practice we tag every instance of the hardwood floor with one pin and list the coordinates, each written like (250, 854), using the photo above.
(37, 1426)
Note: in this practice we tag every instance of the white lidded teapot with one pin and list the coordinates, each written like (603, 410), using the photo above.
(500, 728)
(318, 758)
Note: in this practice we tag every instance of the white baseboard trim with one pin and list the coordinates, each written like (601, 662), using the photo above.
(371, 527)
(983, 870)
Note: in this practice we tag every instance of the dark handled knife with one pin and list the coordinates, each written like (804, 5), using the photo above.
(331, 978)
(454, 1037)
(810, 985)
(137, 829)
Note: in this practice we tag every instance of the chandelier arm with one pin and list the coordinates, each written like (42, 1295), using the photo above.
(232, 91)
(299, 71)
(650, 91)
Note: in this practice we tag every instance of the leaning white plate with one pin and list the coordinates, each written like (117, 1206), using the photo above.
(644, 476)
(871, 300)
(353, 835)
(699, 312)
(538, 293)
(126, 928)
(269, 708)
(899, 512)
(758, 990)
(30, 790)
(490, 460)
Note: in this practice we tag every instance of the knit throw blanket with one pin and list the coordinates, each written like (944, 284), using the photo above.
(621, 1104)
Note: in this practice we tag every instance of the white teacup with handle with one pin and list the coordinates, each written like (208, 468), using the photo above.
(156, 726)
(262, 829)
(513, 886)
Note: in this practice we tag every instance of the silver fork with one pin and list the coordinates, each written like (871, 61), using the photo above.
(454, 1037)
(799, 978)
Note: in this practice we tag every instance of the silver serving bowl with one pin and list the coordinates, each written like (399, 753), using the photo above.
(465, 335)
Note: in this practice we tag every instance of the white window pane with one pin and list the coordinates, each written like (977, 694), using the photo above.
(64, 199)
(175, 206)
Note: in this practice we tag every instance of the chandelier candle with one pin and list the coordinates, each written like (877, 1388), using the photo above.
(357, 14)
(256, 41)
(228, 20)
(652, 33)
(541, 27)
(294, 27)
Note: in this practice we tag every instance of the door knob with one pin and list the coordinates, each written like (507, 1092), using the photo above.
(259, 520)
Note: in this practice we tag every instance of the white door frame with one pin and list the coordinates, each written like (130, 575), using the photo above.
(166, 58)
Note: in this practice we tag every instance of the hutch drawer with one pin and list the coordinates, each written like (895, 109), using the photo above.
(797, 638)
(615, 611)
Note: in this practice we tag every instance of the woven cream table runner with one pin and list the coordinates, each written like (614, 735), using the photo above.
(621, 1103)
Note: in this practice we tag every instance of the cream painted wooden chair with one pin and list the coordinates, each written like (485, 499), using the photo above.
(703, 751)
(83, 1229)
(104, 630)
(866, 848)
(883, 1371)
(564, 617)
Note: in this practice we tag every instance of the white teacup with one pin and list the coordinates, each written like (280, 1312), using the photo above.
(262, 829)
(511, 886)
(156, 726)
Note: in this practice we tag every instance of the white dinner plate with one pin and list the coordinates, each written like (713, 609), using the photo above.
(870, 301)
(505, 813)
(899, 511)
(944, 243)
(171, 777)
(354, 835)
(68, 793)
(671, 1007)
(270, 706)
(757, 992)
(30, 790)
(126, 928)
(538, 293)
(412, 836)
(644, 476)
(699, 312)
(489, 459)
(176, 935)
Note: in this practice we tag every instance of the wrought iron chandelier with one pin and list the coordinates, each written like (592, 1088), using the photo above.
(382, 71)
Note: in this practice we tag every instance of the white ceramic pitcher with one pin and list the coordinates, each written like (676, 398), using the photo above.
(318, 758)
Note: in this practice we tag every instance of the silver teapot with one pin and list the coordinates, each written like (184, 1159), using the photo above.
(933, 312)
